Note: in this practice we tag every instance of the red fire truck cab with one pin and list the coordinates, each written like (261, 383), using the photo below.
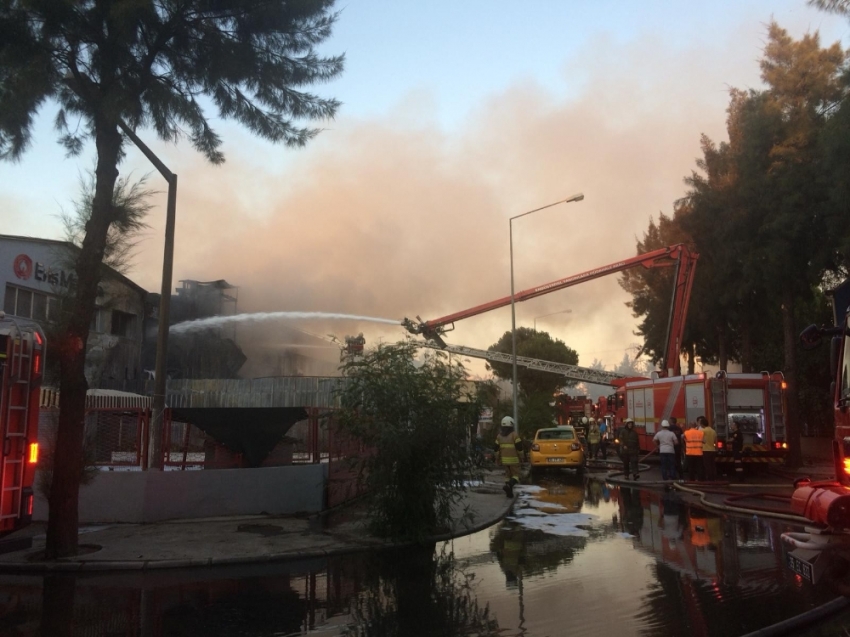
(21, 369)
(753, 402)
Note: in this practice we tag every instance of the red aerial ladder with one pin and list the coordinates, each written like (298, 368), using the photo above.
(676, 255)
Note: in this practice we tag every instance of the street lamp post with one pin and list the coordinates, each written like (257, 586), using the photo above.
(552, 314)
(577, 197)
(154, 459)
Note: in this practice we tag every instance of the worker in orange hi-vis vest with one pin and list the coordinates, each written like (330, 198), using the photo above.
(509, 446)
(693, 451)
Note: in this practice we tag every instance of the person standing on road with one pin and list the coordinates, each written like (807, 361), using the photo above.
(677, 431)
(603, 434)
(629, 449)
(509, 447)
(709, 449)
(693, 452)
(593, 439)
(667, 443)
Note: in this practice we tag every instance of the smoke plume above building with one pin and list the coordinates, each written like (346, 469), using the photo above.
(399, 216)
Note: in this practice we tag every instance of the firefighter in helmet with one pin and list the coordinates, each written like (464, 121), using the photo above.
(509, 447)
(629, 448)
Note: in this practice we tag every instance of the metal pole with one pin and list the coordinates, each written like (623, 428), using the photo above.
(576, 197)
(155, 428)
(513, 327)
(155, 447)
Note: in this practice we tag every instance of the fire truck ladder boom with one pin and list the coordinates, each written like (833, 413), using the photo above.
(570, 372)
(677, 255)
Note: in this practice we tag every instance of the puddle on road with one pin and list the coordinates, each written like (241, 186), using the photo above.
(576, 557)
(553, 510)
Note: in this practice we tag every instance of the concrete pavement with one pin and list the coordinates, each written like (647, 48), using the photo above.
(240, 540)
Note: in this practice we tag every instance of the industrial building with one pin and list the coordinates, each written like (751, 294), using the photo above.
(37, 276)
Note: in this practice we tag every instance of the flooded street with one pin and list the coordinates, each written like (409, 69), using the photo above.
(577, 557)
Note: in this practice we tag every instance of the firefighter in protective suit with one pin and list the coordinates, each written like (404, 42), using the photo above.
(629, 449)
(509, 447)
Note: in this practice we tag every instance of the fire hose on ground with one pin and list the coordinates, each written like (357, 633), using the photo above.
(727, 506)
(762, 511)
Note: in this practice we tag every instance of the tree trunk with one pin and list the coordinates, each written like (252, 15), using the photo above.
(692, 358)
(63, 522)
(792, 400)
(746, 348)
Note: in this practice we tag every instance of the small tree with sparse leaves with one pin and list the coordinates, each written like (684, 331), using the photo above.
(411, 414)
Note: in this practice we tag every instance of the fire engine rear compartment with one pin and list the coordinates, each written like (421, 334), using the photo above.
(754, 402)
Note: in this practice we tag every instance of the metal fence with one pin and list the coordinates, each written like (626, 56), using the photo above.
(116, 438)
(113, 438)
(185, 446)
(117, 427)
(345, 466)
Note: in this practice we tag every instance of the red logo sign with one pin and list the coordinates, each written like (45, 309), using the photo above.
(23, 266)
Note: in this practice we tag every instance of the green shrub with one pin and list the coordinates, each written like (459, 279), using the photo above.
(410, 415)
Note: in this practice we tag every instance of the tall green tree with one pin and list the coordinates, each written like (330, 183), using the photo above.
(767, 213)
(835, 146)
(730, 299)
(533, 344)
(804, 87)
(159, 65)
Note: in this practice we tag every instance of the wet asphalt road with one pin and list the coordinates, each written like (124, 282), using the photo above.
(577, 556)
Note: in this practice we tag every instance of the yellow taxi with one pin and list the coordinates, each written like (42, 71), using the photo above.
(557, 447)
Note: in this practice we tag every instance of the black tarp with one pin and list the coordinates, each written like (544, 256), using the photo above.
(251, 431)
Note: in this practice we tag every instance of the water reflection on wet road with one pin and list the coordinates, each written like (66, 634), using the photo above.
(642, 563)
(576, 557)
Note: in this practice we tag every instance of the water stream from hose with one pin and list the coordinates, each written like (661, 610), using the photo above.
(263, 317)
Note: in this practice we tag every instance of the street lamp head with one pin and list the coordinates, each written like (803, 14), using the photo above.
(577, 197)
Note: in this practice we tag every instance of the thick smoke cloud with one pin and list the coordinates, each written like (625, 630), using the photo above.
(399, 217)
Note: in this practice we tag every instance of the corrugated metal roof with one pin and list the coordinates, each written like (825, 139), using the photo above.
(296, 391)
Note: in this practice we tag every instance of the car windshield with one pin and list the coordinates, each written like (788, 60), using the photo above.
(556, 434)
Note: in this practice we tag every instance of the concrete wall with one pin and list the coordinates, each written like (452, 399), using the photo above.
(153, 496)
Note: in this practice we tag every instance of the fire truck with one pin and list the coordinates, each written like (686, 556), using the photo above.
(21, 369)
(828, 503)
(755, 403)
(824, 547)
(570, 410)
